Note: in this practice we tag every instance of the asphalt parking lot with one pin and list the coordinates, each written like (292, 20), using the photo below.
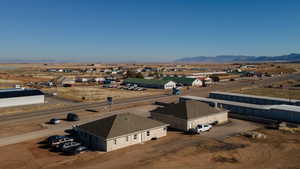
(233, 127)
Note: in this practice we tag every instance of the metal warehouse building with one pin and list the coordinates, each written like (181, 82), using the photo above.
(287, 113)
(18, 97)
(261, 100)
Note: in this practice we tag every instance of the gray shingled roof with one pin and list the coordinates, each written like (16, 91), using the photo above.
(120, 124)
(190, 109)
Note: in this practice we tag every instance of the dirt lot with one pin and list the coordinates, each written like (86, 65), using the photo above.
(20, 127)
(280, 150)
(50, 103)
(271, 92)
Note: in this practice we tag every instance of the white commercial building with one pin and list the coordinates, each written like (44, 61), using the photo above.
(189, 114)
(19, 97)
(118, 131)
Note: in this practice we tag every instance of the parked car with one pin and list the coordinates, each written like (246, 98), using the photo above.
(106, 86)
(51, 139)
(56, 143)
(214, 123)
(72, 117)
(69, 145)
(192, 131)
(54, 121)
(113, 86)
(76, 150)
(203, 127)
(131, 88)
(200, 128)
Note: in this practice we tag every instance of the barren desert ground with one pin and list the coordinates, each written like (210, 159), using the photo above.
(280, 150)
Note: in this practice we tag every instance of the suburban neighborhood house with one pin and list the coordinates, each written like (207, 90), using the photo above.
(189, 114)
(185, 81)
(118, 131)
(150, 83)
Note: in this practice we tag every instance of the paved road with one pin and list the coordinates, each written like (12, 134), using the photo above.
(59, 129)
(75, 107)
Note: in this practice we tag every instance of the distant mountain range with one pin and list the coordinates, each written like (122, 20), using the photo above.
(241, 58)
(27, 61)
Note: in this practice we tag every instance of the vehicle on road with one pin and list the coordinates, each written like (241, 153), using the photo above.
(54, 121)
(72, 117)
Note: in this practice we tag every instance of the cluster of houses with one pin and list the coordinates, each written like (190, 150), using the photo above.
(155, 76)
(125, 129)
(161, 83)
(168, 82)
(86, 70)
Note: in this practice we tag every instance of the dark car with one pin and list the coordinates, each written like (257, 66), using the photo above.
(72, 117)
(69, 145)
(60, 141)
(76, 150)
(191, 131)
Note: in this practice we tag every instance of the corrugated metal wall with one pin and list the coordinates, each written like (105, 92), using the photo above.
(19, 101)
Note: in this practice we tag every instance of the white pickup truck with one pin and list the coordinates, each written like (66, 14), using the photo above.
(200, 128)
(203, 127)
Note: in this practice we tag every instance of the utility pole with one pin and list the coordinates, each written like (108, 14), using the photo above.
(109, 102)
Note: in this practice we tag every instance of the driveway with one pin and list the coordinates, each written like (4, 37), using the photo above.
(233, 127)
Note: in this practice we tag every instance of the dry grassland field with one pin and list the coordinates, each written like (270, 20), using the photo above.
(29, 108)
(91, 93)
(289, 89)
(280, 150)
(272, 92)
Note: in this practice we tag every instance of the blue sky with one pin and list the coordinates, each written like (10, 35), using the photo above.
(146, 30)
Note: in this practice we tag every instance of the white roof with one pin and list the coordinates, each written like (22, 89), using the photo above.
(223, 101)
(285, 107)
(11, 89)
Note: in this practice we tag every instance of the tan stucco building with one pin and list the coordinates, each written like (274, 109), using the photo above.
(189, 114)
(120, 131)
